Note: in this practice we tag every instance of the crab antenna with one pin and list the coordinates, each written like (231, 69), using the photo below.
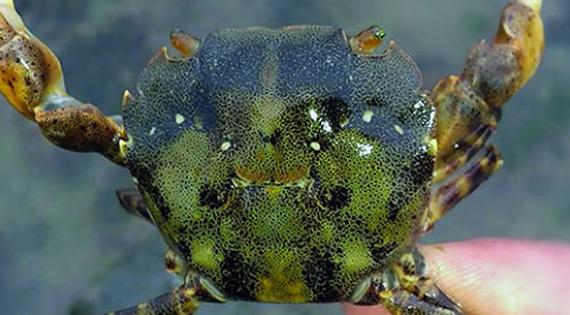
(367, 40)
(186, 44)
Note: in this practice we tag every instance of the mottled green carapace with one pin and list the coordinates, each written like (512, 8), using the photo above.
(291, 165)
(280, 165)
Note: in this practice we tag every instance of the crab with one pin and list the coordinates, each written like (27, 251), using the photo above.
(292, 165)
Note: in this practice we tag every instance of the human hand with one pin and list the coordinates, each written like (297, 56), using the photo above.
(498, 277)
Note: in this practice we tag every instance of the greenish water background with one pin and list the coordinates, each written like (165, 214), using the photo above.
(66, 244)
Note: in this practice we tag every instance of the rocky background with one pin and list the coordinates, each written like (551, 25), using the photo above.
(66, 246)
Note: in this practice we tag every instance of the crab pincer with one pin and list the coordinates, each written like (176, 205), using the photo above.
(291, 165)
(469, 106)
(31, 79)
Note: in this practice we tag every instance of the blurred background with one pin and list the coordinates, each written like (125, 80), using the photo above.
(66, 246)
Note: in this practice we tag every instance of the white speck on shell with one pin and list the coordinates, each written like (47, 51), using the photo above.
(313, 114)
(315, 146)
(367, 116)
(226, 146)
(179, 119)
(399, 129)
(364, 149)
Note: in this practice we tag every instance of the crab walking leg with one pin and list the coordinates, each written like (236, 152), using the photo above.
(406, 289)
(493, 73)
(133, 202)
(448, 195)
(174, 264)
(31, 79)
(181, 301)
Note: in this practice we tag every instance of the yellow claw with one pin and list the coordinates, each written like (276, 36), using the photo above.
(8, 3)
(31, 79)
(521, 27)
(30, 73)
(468, 104)
(535, 5)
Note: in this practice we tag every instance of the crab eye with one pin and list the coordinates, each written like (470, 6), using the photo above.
(368, 40)
(378, 31)
(186, 44)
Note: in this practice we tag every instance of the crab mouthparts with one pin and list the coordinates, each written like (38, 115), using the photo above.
(296, 177)
(304, 183)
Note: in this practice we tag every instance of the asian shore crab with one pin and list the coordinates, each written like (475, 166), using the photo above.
(289, 165)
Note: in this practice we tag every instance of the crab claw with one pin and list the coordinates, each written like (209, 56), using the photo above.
(367, 40)
(535, 5)
(31, 80)
(30, 72)
(525, 32)
(8, 3)
(493, 73)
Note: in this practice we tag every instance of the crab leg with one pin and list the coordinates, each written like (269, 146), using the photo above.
(406, 289)
(174, 264)
(469, 106)
(448, 195)
(133, 202)
(181, 301)
(31, 79)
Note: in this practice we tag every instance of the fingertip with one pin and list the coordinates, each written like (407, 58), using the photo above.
(503, 277)
(351, 309)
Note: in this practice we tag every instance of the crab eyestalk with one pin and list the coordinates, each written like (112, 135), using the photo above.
(368, 40)
(186, 44)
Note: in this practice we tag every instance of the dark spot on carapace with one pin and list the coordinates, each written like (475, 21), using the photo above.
(375, 102)
(238, 276)
(211, 198)
(393, 209)
(379, 253)
(272, 138)
(337, 111)
(421, 168)
(317, 274)
(336, 198)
